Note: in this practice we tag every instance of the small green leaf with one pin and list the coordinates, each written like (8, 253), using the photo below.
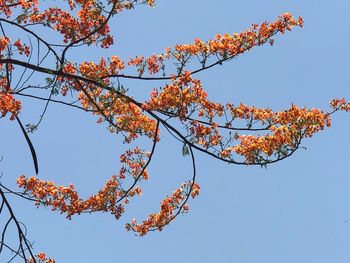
(49, 80)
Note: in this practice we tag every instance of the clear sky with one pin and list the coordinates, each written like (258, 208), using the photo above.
(296, 210)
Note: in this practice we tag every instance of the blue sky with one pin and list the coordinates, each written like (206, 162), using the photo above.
(296, 210)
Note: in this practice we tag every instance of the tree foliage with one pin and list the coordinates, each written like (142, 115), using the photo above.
(237, 134)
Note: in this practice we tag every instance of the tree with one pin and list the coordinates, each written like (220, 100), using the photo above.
(236, 134)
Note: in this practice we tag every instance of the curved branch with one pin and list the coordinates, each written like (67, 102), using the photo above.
(188, 194)
(155, 140)
(23, 242)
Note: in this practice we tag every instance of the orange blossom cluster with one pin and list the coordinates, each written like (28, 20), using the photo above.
(66, 199)
(41, 258)
(123, 115)
(9, 104)
(287, 129)
(185, 96)
(180, 96)
(27, 6)
(82, 18)
(340, 104)
(222, 46)
(168, 207)
(21, 48)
